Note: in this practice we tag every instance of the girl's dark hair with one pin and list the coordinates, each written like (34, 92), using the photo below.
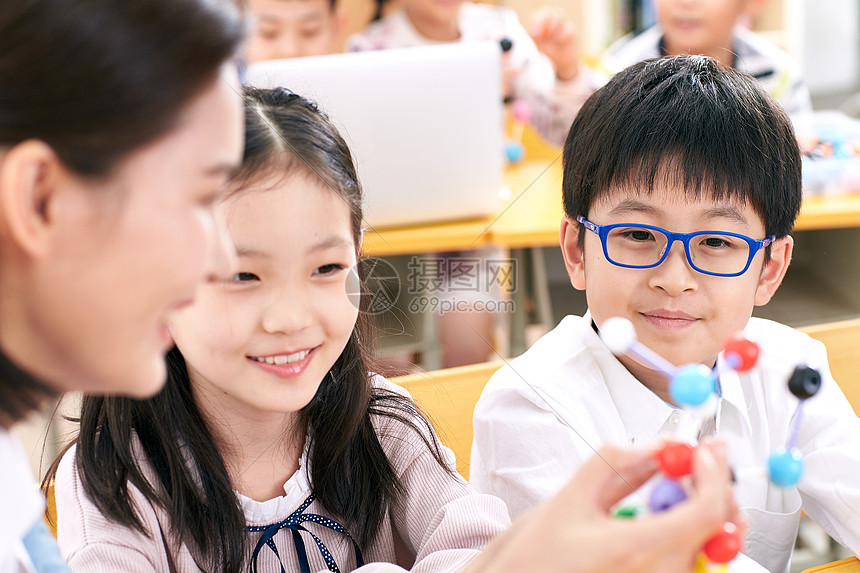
(95, 80)
(349, 471)
(688, 121)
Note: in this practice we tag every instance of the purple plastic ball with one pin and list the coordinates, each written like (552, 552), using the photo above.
(666, 493)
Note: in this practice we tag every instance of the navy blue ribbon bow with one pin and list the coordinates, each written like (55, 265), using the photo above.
(294, 524)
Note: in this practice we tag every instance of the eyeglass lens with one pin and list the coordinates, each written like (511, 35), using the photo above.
(710, 252)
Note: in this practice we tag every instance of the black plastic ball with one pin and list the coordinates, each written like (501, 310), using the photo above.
(804, 382)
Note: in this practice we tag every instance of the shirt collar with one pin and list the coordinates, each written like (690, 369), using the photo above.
(661, 49)
(645, 414)
(734, 402)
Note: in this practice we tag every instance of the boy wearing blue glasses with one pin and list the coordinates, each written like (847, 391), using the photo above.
(681, 185)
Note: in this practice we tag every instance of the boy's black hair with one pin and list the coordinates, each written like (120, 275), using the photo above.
(689, 121)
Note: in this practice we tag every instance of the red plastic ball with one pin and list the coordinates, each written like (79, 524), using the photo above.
(675, 459)
(725, 544)
(740, 352)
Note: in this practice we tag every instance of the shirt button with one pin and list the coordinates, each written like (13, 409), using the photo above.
(675, 418)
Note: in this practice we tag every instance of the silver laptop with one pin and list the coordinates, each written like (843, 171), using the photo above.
(424, 124)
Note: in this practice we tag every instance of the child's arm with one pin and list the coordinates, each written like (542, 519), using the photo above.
(439, 518)
(442, 520)
(555, 36)
(554, 86)
(90, 542)
(524, 448)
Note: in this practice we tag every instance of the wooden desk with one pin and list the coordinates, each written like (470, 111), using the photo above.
(531, 219)
(533, 215)
(839, 212)
(429, 238)
(849, 565)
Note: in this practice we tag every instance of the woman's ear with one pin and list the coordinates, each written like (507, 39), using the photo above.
(774, 271)
(572, 252)
(30, 175)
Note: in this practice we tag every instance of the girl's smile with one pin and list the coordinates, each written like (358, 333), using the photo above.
(264, 340)
(287, 365)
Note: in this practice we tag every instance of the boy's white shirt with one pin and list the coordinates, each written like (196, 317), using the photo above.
(543, 415)
(21, 505)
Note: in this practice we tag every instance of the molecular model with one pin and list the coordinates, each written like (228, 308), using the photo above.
(522, 114)
(694, 388)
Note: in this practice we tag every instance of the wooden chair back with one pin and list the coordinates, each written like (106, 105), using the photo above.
(449, 396)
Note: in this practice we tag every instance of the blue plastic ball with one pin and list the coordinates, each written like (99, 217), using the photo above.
(514, 151)
(666, 493)
(843, 150)
(785, 467)
(692, 385)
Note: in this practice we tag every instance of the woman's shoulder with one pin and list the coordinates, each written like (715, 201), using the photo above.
(22, 505)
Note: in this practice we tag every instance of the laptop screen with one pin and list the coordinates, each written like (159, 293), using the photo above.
(425, 125)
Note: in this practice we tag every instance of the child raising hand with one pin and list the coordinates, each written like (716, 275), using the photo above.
(555, 36)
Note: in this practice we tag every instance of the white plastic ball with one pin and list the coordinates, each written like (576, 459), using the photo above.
(618, 334)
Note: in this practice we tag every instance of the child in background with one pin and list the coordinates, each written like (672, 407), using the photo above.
(293, 29)
(711, 28)
(270, 420)
(305, 28)
(301, 28)
(541, 69)
(686, 145)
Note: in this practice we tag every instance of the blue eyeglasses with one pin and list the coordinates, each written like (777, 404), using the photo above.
(717, 253)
